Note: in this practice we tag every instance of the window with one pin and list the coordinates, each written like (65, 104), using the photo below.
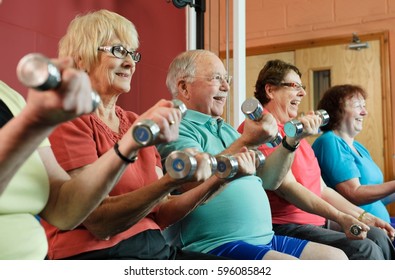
(321, 82)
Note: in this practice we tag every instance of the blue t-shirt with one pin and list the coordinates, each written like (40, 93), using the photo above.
(240, 212)
(339, 163)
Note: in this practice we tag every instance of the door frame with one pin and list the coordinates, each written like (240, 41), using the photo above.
(382, 37)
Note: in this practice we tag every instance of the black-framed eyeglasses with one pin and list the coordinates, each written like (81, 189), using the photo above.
(121, 52)
(294, 85)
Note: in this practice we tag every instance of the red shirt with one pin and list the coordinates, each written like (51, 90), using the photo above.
(80, 142)
(307, 172)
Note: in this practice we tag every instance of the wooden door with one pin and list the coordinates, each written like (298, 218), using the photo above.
(346, 66)
(361, 67)
(368, 68)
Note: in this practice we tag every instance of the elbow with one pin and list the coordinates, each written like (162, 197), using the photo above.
(163, 226)
(61, 222)
(100, 234)
(66, 226)
(356, 201)
(270, 186)
(162, 221)
(354, 198)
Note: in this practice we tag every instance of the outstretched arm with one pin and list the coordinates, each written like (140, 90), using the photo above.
(306, 200)
(364, 194)
(72, 200)
(279, 162)
(341, 203)
(44, 110)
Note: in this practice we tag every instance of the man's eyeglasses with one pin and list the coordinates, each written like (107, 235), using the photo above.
(121, 52)
(217, 78)
(293, 85)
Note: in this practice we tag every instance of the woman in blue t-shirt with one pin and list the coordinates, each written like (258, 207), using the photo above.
(346, 165)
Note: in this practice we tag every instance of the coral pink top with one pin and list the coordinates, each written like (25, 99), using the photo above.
(80, 142)
(307, 172)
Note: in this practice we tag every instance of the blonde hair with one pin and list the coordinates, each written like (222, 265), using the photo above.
(94, 29)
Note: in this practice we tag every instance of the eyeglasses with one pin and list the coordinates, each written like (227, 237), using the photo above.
(358, 104)
(294, 85)
(217, 78)
(121, 52)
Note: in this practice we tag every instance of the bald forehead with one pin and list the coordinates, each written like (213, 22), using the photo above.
(209, 63)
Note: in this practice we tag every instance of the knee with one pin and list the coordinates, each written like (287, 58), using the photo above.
(367, 250)
(336, 254)
(377, 235)
(318, 251)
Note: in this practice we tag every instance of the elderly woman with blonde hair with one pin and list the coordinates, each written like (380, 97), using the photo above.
(128, 223)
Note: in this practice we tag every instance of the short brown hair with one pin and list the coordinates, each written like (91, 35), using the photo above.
(334, 102)
(272, 73)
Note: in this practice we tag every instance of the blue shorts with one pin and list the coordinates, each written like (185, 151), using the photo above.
(240, 250)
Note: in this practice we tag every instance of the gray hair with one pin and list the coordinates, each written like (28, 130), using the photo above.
(183, 67)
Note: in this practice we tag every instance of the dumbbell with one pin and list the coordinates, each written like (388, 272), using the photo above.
(37, 71)
(227, 165)
(253, 110)
(182, 164)
(294, 128)
(146, 131)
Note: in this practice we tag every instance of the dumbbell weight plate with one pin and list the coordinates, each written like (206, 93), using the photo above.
(259, 158)
(252, 108)
(38, 72)
(181, 106)
(324, 116)
(180, 164)
(293, 128)
(227, 166)
(145, 132)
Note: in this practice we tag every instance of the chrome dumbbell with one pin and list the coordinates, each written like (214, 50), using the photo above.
(294, 128)
(253, 110)
(36, 71)
(182, 164)
(259, 158)
(227, 165)
(146, 131)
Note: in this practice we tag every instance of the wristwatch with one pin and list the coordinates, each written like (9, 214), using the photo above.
(289, 147)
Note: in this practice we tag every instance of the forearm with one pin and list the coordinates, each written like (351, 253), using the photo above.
(178, 206)
(276, 167)
(20, 138)
(117, 214)
(340, 203)
(72, 199)
(366, 194)
(235, 146)
(306, 200)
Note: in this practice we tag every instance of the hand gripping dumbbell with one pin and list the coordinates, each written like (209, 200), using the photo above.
(253, 110)
(182, 164)
(36, 71)
(227, 165)
(146, 131)
(294, 128)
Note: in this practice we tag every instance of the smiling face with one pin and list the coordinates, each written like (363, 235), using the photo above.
(112, 75)
(354, 114)
(285, 99)
(207, 91)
